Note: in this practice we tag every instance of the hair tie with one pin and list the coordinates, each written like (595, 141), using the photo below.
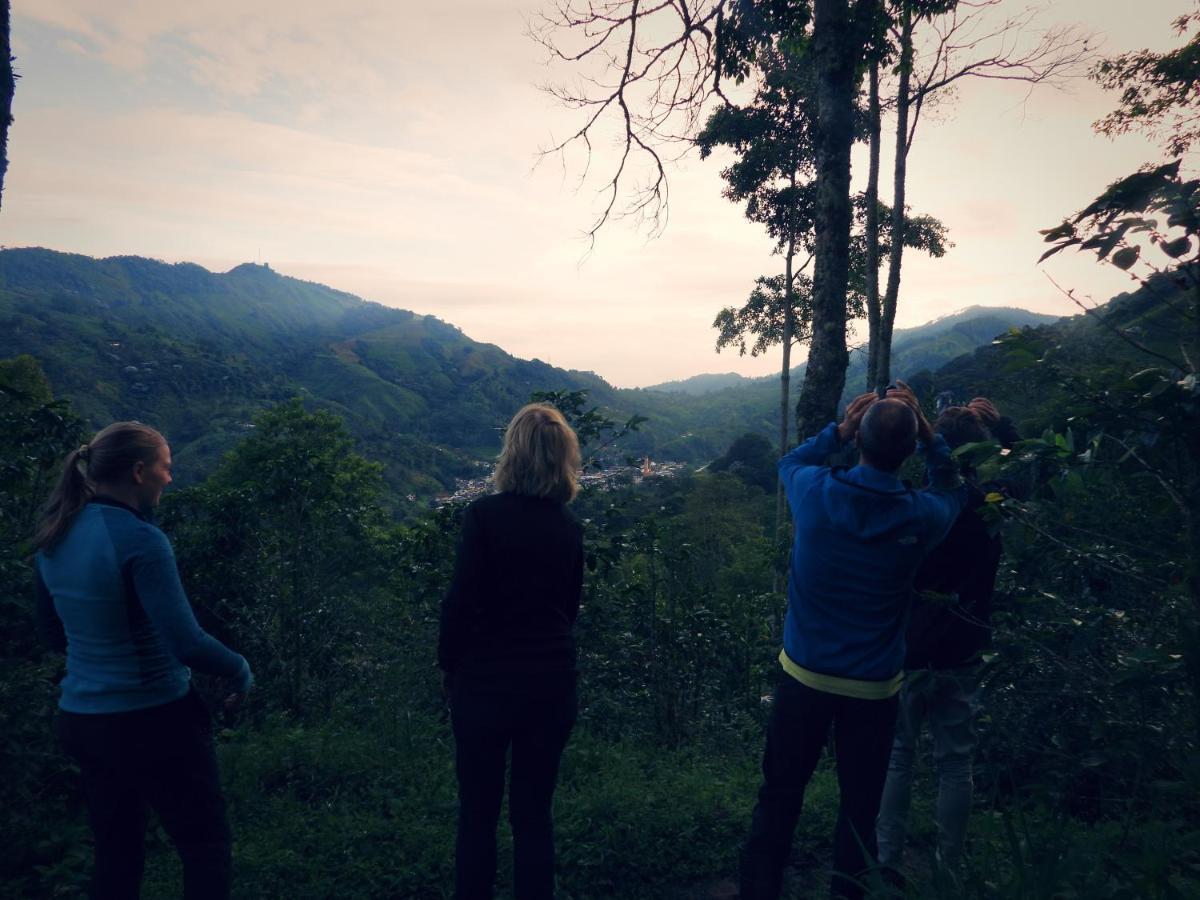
(84, 452)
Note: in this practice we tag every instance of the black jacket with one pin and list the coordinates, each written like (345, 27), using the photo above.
(944, 636)
(508, 618)
(965, 563)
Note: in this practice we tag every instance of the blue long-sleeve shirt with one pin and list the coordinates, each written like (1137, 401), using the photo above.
(860, 534)
(109, 595)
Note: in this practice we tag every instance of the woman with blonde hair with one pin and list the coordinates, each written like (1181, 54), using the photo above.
(507, 650)
(109, 596)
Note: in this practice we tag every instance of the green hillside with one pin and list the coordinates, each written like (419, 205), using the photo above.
(199, 354)
(690, 419)
(1098, 347)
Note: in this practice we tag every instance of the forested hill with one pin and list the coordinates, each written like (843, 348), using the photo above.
(702, 384)
(199, 354)
(913, 349)
(1122, 337)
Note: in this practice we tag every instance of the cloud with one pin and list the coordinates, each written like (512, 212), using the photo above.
(385, 148)
(224, 175)
(374, 49)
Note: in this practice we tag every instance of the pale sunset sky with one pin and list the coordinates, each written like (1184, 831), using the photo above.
(387, 149)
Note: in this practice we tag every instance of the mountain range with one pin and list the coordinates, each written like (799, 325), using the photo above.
(199, 353)
(913, 349)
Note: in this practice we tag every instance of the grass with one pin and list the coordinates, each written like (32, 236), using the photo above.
(338, 811)
(347, 810)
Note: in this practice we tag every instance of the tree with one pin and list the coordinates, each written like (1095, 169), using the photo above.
(287, 533)
(36, 433)
(752, 458)
(874, 139)
(840, 35)
(1148, 224)
(773, 139)
(658, 87)
(772, 136)
(757, 325)
(650, 67)
(8, 83)
(936, 43)
(1155, 212)
(1156, 89)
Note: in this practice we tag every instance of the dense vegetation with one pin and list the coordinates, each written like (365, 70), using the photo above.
(339, 770)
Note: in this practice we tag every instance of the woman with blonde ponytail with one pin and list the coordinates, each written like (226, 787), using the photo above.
(109, 595)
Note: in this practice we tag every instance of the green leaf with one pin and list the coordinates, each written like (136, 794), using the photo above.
(1177, 247)
(976, 453)
(1126, 257)
(1063, 246)
(1066, 229)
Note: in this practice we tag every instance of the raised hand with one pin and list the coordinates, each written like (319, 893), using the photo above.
(854, 413)
(905, 395)
(986, 410)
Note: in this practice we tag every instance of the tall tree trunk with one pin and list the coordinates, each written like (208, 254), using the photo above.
(789, 330)
(837, 46)
(884, 359)
(873, 230)
(1192, 487)
(785, 383)
(8, 83)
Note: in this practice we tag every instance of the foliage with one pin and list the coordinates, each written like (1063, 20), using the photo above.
(36, 790)
(1154, 418)
(761, 316)
(340, 772)
(677, 617)
(751, 458)
(288, 534)
(772, 137)
(1158, 91)
(344, 784)
(596, 432)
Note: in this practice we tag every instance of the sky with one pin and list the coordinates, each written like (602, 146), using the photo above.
(390, 148)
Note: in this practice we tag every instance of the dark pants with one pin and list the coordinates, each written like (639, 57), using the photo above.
(160, 758)
(796, 733)
(485, 725)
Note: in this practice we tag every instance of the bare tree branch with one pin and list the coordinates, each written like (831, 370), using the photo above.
(969, 42)
(658, 72)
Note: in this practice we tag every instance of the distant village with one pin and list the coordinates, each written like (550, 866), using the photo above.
(614, 476)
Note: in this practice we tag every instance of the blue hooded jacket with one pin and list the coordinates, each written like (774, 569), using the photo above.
(860, 535)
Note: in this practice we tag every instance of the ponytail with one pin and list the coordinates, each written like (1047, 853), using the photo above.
(111, 454)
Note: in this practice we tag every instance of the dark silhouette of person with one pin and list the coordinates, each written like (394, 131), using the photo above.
(860, 534)
(507, 649)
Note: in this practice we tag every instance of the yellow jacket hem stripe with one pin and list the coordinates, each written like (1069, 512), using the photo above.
(845, 687)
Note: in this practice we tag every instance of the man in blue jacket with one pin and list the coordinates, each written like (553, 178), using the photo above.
(859, 536)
